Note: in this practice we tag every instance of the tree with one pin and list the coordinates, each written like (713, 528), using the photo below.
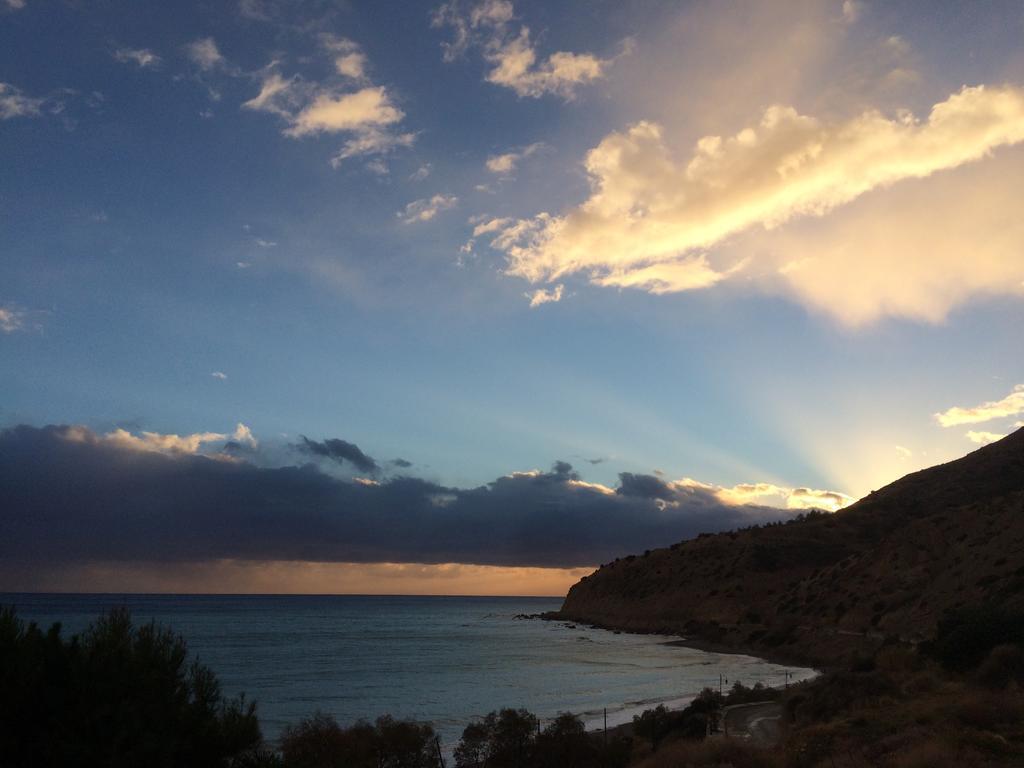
(319, 742)
(503, 739)
(118, 695)
(566, 744)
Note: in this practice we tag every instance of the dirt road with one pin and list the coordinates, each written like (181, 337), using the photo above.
(760, 723)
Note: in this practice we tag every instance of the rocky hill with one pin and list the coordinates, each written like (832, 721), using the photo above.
(825, 587)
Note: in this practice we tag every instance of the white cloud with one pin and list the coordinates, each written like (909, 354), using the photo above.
(372, 141)
(11, 319)
(512, 55)
(243, 264)
(140, 56)
(421, 173)
(378, 166)
(369, 107)
(505, 163)
(903, 453)
(773, 495)
(652, 222)
(204, 53)
(265, 243)
(544, 296)
(351, 65)
(427, 208)
(15, 5)
(490, 225)
(367, 114)
(14, 103)
(852, 10)
(170, 444)
(516, 67)
(983, 438)
(349, 59)
(219, 375)
(277, 95)
(1011, 405)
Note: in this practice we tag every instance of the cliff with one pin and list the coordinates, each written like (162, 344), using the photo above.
(824, 588)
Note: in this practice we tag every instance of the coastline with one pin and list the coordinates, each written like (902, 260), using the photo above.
(620, 720)
(769, 655)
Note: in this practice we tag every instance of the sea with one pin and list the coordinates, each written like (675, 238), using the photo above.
(442, 660)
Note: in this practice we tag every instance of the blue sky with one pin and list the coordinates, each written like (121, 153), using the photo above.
(630, 295)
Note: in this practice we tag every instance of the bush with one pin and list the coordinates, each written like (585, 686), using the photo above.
(566, 744)
(510, 739)
(964, 637)
(741, 694)
(118, 695)
(319, 742)
(1004, 664)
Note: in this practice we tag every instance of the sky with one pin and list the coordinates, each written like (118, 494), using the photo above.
(471, 297)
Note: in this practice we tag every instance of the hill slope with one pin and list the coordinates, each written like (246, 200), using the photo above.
(826, 587)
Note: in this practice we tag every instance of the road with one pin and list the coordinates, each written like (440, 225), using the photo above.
(760, 722)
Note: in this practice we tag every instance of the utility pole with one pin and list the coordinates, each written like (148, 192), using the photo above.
(440, 757)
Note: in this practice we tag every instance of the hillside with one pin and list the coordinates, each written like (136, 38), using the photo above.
(826, 587)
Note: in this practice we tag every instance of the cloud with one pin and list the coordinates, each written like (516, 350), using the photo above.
(118, 503)
(278, 95)
(775, 495)
(427, 208)
(654, 223)
(984, 438)
(157, 442)
(265, 243)
(340, 451)
(370, 107)
(852, 10)
(904, 453)
(11, 319)
(422, 172)
(512, 55)
(139, 56)
(1011, 405)
(15, 5)
(205, 54)
(368, 114)
(544, 296)
(14, 103)
(505, 163)
(401, 463)
(372, 141)
(219, 375)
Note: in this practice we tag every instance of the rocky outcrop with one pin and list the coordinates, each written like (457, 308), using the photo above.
(821, 588)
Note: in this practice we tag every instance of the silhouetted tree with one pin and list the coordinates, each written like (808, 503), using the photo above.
(566, 744)
(116, 696)
(503, 739)
(319, 742)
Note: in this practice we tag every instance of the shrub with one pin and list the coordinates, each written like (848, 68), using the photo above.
(965, 636)
(319, 742)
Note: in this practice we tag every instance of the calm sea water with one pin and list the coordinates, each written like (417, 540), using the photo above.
(443, 660)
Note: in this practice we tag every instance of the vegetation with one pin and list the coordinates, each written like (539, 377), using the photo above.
(118, 695)
(512, 738)
(319, 742)
(125, 696)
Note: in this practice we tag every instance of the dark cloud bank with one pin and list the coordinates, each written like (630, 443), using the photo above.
(70, 496)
